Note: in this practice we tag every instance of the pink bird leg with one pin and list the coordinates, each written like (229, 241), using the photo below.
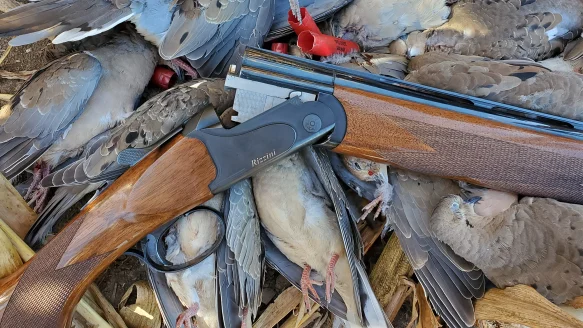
(36, 193)
(186, 67)
(185, 318)
(307, 285)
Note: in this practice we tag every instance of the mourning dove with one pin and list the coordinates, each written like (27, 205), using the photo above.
(536, 242)
(153, 121)
(520, 83)
(211, 33)
(295, 211)
(190, 236)
(375, 23)
(504, 29)
(241, 262)
(408, 202)
(70, 101)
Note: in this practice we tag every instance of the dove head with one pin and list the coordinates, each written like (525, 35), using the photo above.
(363, 169)
(455, 218)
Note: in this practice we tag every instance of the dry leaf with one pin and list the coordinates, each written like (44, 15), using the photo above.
(523, 305)
(421, 312)
(143, 312)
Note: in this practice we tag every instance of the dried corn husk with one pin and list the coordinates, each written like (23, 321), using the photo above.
(523, 305)
(144, 313)
(14, 210)
(422, 313)
(10, 261)
(496, 324)
(286, 302)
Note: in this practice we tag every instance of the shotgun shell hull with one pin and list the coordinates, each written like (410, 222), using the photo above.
(280, 47)
(308, 23)
(163, 77)
(324, 45)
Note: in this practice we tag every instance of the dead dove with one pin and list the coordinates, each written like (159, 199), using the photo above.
(520, 83)
(295, 212)
(503, 29)
(70, 101)
(241, 261)
(536, 242)
(154, 121)
(211, 33)
(408, 202)
(375, 23)
(195, 286)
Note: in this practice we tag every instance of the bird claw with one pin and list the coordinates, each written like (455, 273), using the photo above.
(36, 193)
(307, 286)
(371, 206)
(185, 318)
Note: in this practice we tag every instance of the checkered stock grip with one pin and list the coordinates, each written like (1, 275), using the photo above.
(459, 146)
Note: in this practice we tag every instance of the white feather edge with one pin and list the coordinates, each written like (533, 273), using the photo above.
(76, 34)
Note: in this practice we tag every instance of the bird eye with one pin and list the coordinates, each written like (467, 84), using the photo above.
(357, 166)
(455, 207)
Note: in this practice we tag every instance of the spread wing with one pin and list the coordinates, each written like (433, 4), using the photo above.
(215, 36)
(43, 109)
(151, 122)
(450, 281)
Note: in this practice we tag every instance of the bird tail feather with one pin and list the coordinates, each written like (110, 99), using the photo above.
(67, 20)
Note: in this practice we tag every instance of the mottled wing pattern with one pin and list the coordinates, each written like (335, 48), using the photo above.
(244, 243)
(450, 281)
(151, 122)
(43, 109)
(518, 83)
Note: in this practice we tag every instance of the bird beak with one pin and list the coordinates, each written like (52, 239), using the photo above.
(473, 200)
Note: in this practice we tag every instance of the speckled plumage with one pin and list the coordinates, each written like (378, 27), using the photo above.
(537, 242)
(375, 23)
(519, 83)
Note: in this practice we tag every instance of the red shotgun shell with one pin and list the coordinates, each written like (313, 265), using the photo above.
(324, 45)
(163, 77)
(308, 23)
(280, 47)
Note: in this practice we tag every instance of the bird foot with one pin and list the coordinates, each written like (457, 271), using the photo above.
(376, 203)
(185, 318)
(307, 285)
(36, 193)
(186, 67)
(331, 277)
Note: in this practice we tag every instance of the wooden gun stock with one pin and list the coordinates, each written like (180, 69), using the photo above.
(459, 146)
(45, 291)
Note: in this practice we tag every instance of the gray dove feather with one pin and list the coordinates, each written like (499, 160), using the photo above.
(450, 281)
(60, 108)
(372, 62)
(505, 29)
(389, 19)
(537, 242)
(243, 238)
(212, 33)
(152, 121)
(521, 84)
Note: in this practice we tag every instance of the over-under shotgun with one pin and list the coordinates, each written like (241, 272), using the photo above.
(404, 124)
